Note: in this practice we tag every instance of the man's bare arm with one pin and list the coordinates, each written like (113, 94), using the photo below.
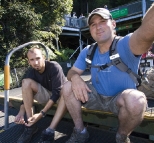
(48, 105)
(74, 72)
(79, 87)
(38, 116)
(142, 38)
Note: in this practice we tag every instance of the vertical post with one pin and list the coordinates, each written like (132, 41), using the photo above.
(87, 8)
(57, 43)
(143, 7)
(80, 41)
(6, 87)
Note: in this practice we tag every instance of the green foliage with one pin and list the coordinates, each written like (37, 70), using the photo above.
(51, 51)
(22, 22)
(17, 25)
(52, 13)
(62, 55)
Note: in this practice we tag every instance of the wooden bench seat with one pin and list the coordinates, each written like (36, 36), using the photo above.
(95, 117)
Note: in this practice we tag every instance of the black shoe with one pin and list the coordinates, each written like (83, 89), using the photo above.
(27, 134)
(78, 137)
(46, 137)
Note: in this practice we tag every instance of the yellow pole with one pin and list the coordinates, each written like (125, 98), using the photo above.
(6, 77)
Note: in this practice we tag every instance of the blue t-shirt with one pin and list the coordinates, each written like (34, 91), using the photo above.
(111, 81)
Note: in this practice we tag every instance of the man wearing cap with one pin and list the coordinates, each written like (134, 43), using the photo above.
(110, 89)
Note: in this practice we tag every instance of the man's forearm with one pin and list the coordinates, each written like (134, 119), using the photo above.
(141, 40)
(48, 106)
(71, 73)
(148, 23)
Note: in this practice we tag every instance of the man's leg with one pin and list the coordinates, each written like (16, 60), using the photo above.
(27, 94)
(29, 88)
(48, 134)
(74, 108)
(60, 112)
(132, 105)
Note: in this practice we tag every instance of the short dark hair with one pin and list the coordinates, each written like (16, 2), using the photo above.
(33, 48)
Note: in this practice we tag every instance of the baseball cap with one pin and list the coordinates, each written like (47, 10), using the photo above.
(103, 12)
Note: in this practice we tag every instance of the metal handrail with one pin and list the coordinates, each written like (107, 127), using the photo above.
(74, 52)
(134, 8)
(7, 76)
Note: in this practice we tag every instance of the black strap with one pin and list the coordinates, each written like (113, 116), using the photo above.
(114, 44)
(91, 51)
(102, 67)
(115, 60)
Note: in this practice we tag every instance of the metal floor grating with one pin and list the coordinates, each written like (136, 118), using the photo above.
(63, 131)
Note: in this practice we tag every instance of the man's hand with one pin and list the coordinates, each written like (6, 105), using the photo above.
(80, 88)
(32, 120)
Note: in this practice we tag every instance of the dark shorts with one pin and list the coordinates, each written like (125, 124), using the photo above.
(101, 102)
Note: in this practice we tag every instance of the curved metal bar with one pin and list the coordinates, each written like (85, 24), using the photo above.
(22, 46)
(7, 76)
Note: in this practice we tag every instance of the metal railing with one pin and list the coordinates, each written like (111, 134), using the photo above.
(75, 22)
(134, 8)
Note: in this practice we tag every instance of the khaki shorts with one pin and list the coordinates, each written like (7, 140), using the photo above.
(106, 103)
(43, 95)
(101, 102)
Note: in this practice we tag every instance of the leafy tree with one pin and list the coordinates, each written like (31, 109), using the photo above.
(18, 23)
(26, 20)
(52, 12)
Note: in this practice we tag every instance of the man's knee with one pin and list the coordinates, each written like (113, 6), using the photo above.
(27, 83)
(67, 89)
(140, 103)
(133, 100)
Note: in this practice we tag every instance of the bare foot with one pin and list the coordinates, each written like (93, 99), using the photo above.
(19, 119)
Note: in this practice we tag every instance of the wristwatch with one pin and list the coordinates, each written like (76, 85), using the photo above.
(43, 113)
